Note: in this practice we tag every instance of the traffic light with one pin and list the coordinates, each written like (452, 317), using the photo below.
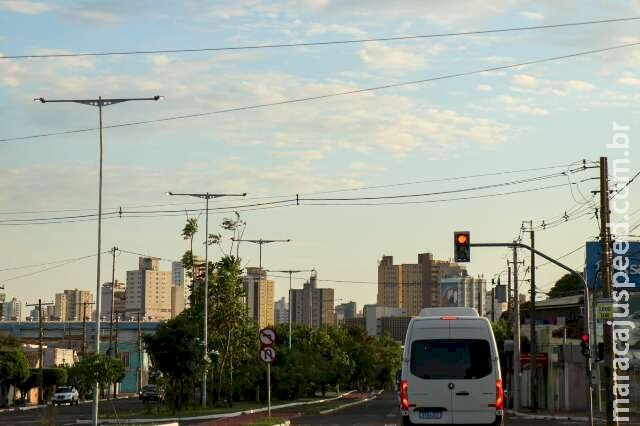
(462, 246)
(584, 345)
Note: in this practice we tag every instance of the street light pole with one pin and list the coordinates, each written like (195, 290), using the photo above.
(291, 272)
(207, 196)
(260, 242)
(100, 103)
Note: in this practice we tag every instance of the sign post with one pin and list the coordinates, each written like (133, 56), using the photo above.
(268, 355)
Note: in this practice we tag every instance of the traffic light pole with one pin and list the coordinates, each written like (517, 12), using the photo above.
(587, 305)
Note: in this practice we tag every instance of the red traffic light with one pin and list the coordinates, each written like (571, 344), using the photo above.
(462, 239)
(585, 338)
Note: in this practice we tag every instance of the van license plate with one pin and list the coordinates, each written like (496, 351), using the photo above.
(424, 414)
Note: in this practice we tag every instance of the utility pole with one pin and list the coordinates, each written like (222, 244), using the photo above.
(84, 325)
(532, 329)
(113, 285)
(291, 272)
(115, 352)
(605, 268)
(516, 333)
(100, 103)
(207, 196)
(41, 347)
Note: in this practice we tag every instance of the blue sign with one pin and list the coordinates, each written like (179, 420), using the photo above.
(594, 258)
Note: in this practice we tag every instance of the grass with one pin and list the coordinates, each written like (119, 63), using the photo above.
(154, 410)
(268, 421)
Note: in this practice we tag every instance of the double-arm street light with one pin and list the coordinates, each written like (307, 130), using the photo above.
(207, 196)
(291, 272)
(100, 103)
(260, 242)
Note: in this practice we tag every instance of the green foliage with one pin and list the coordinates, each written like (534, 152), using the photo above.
(176, 351)
(568, 285)
(14, 367)
(94, 368)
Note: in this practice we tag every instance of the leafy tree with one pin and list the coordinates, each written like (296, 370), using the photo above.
(14, 367)
(176, 351)
(188, 232)
(568, 285)
(29, 383)
(94, 368)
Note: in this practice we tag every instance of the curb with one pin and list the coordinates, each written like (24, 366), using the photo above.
(351, 404)
(33, 407)
(212, 416)
(548, 416)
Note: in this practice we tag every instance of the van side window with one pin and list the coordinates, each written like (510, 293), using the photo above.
(450, 359)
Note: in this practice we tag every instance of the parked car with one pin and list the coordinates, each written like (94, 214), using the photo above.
(151, 393)
(450, 371)
(64, 395)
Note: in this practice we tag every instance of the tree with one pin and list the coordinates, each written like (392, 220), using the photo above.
(188, 232)
(94, 368)
(14, 366)
(176, 351)
(568, 285)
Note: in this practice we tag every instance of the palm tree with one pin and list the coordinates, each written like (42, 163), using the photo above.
(188, 232)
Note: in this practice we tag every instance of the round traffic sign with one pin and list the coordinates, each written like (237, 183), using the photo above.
(268, 354)
(267, 336)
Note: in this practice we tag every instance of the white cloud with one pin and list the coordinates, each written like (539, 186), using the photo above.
(484, 88)
(379, 56)
(629, 79)
(525, 81)
(94, 16)
(532, 16)
(25, 7)
(580, 86)
(318, 29)
(522, 105)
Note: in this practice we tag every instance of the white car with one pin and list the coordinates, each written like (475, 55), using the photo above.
(450, 370)
(65, 395)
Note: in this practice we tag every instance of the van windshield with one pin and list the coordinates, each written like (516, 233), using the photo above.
(450, 359)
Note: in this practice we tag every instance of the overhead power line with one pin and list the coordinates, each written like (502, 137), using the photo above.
(319, 43)
(288, 202)
(287, 196)
(329, 95)
(59, 265)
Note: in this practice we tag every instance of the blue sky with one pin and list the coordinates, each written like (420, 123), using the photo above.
(535, 116)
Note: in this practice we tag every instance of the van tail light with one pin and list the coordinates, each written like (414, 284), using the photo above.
(449, 317)
(404, 397)
(499, 395)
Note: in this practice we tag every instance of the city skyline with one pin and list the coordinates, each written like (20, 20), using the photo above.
(490, 128)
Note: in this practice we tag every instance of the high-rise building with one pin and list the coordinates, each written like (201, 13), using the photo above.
(51, 313)
(60, 307)
(12, 310)
(119, 300)
(149, 290)
(72, 304)
(374, 313)
(177, 300)
(259, 296)
(345, 311)
(413, 286)
(281, 311)
(464, 292)
(312, 306)
(3, 297)
(181, 277)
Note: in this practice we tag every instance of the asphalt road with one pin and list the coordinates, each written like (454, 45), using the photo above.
(64, 414)
(383, 411)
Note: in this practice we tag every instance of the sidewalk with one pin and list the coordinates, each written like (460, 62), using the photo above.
(28, 407)
(634, 418)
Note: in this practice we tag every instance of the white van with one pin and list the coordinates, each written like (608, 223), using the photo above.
(451, 370)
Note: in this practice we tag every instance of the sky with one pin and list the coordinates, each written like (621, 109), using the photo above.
(533, 121)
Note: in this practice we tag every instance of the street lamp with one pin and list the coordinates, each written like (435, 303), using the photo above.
(291, 272)
(100, 103)
(260, 242)
(207, 196)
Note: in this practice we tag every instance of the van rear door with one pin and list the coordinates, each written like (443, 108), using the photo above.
(474, 393)
(430, 396)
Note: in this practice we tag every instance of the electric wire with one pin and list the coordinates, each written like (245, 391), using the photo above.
(329, 95)
(319, 43)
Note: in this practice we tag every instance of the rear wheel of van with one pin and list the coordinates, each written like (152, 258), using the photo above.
(406, 421)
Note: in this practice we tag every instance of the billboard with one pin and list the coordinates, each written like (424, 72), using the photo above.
(449, 293)
(594, 257)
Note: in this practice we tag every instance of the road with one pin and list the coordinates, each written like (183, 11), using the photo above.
(383, 411)
(65, 414)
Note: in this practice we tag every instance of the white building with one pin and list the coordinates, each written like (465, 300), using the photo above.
(12, 310)
(119, 297)
(373, 315)
(149, 291)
